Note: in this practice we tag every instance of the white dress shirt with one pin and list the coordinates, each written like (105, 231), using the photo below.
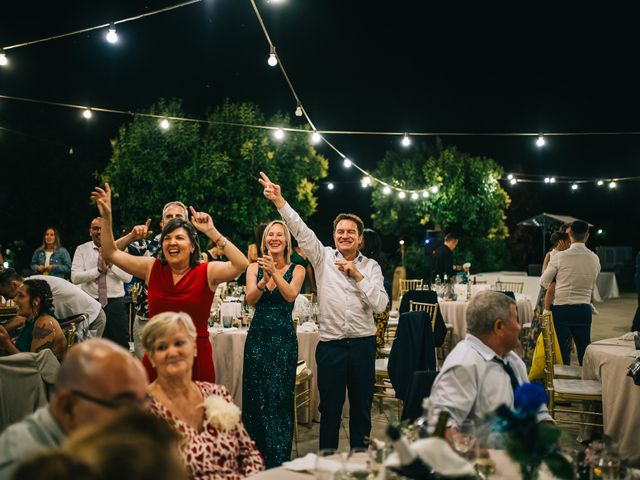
(575, 270)
(69, 299)
(346, 306)
(84, 272)
(471, 385)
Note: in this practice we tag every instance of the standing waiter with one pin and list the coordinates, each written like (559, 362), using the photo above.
(443, 258)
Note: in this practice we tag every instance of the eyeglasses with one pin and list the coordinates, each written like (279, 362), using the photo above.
(126, 399)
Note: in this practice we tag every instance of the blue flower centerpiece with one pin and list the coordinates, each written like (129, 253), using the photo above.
(529, 442)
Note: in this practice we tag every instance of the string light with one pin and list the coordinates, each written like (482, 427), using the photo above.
(365, 182)
(273, 59)
(112, 36)
(600, 231)
(414, 196)
(406, 141)
(386, 190)
(513, 181)
(87, 113)
(612, 184)
(330, 186)
(402, 195)
(278, 134)
(540, 141)
(434, 189)
(425, 194)
(315, 137)
(552, 180)
(600, 183)
(574, 186)
(164, 124)
(547, 179)
(510, 177)
(347, 163)
(298, 111)
(4, 61)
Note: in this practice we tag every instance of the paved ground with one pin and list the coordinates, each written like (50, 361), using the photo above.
(613, 319)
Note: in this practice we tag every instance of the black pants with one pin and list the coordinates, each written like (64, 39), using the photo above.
(635, 326)
(572, 321)
(346, 364)
(117, 326)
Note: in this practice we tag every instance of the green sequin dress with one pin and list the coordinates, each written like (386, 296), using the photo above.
(269, 375)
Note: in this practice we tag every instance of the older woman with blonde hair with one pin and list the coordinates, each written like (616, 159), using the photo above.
(271, 349)
(215, 444)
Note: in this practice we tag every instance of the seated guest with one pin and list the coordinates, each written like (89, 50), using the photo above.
(215, 444)
(51, 258)
(482, 371)
(34, 301)
(96, 377)
(132, 444)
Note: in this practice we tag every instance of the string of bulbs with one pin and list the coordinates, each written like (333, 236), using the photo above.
(316, 135)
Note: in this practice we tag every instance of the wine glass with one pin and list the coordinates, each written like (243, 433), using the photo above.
(465, 438)
(328, 463)
(358, 464)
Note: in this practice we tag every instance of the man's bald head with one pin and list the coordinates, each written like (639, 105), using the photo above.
(96, 374)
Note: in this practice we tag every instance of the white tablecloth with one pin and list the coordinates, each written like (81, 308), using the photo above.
(228, 359)
(607, 285)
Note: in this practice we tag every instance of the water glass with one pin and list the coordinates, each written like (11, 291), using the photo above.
(328, 463)
(227, 320)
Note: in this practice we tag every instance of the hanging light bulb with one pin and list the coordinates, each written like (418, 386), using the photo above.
(164, 124)
(513, 181)
(386, 190)
(330, 186)
(600, 183)
(612, 184)
(86, 113)
(112, 36)
(434, 189)
(552, 180)
(298, 111)
(401, 242)
(425, 194)
(546, 179)
(347, 163)
(574, 186)
(273, 60)
(365, 182)
(406, 141)
(315, 137)
(278, 134)
(510, 176)
(4, 61)
(414, 196)
(71, 151)
(540, 141)
(402, 195)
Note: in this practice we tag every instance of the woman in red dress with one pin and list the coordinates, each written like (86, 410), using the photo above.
(177, 281)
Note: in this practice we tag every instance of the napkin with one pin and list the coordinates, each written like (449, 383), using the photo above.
(308, 462)
(628, 336)
(308, 327)
(440, 456)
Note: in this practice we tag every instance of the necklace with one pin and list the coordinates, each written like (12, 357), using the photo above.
(179, 274)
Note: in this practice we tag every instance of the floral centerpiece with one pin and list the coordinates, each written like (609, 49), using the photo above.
(529, 442)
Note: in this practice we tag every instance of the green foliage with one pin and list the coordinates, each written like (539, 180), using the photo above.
(470, 201)
(416, 262)
(213, 167)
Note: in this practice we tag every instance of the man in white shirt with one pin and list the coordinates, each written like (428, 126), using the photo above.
(575, 271)
(350, 291)
(103, 282)
(68, 300)
(482, 372)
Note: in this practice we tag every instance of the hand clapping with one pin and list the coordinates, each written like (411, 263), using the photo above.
(267, 264)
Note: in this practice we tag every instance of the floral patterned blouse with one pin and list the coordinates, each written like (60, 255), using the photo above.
(210, 453)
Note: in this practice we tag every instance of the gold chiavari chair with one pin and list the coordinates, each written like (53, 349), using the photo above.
(302, 398)
(515, 287)
(432, 312)
(410, 284)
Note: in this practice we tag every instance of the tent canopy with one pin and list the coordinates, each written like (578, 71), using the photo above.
(547, 220)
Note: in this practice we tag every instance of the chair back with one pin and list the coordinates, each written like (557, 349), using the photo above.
(430, 308)
(71, 326)
(515, 287)
(547, 341)
(412, 284)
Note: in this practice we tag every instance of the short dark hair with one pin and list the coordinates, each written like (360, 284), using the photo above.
(579, 230)
(174, 224)
(559, 236)
(7, 275)
(349, 216)
(450, 236)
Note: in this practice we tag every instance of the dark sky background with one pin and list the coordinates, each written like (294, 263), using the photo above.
(399, 66)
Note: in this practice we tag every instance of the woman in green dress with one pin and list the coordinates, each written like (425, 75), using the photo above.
(271, 350)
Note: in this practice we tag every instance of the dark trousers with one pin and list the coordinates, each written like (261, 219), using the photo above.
(117, 327)
(572, 321)
(635, 326)
(346, 364)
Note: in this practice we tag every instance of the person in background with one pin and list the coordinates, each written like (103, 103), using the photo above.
(299, 258)
(560, 241)
(443, 258)
(35, 302)
(372, 248)
(214, 442)
(213, 253)
(51, 258)
(271, 349)
(635, 326)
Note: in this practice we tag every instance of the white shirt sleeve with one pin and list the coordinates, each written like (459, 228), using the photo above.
(306, 238)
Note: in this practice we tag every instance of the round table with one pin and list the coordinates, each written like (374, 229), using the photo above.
(607, 360)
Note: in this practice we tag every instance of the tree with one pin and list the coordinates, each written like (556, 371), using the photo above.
(212, 167)
(469, 201)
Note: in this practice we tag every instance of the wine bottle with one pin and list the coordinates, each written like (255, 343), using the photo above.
(441, 426)
(411, 465)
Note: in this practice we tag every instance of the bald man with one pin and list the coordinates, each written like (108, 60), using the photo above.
(96, 378)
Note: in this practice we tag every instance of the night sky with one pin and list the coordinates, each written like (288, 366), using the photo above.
(392, 66)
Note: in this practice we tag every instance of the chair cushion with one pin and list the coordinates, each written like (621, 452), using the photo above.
(579, 387)
(567, 371)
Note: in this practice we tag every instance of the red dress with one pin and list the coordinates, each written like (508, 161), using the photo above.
(191, 295)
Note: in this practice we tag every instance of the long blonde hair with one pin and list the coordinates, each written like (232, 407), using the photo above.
(287, 236)
(57, 243)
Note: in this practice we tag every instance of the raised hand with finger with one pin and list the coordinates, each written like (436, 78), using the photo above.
(201, 220)
(271, 191)
(140, 232)
(102, 199)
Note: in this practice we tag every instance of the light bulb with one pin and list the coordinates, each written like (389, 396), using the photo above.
(612, 184)
(365, 182)
(510, 176)
(71, 151)
(574, 186)
(425, 194)
(402, 195)
(434, 189)
(330, 186)
(552, 180)
(164, 124)
(112, 36)
(87, 113)
(401, 242)
(599, 231)
(386, 190)
(600, 183)
(540, 141)
(414, 196)
(513, 181)
(406, 141)
(278, 134)
(347, 163)
(273, 60)
(547, 179)
(3, 58)
(315, 137)
(298, 111)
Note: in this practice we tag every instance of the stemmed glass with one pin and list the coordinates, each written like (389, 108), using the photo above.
(464, 440)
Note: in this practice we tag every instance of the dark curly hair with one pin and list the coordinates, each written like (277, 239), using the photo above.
(174, 224)
(40, 289)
